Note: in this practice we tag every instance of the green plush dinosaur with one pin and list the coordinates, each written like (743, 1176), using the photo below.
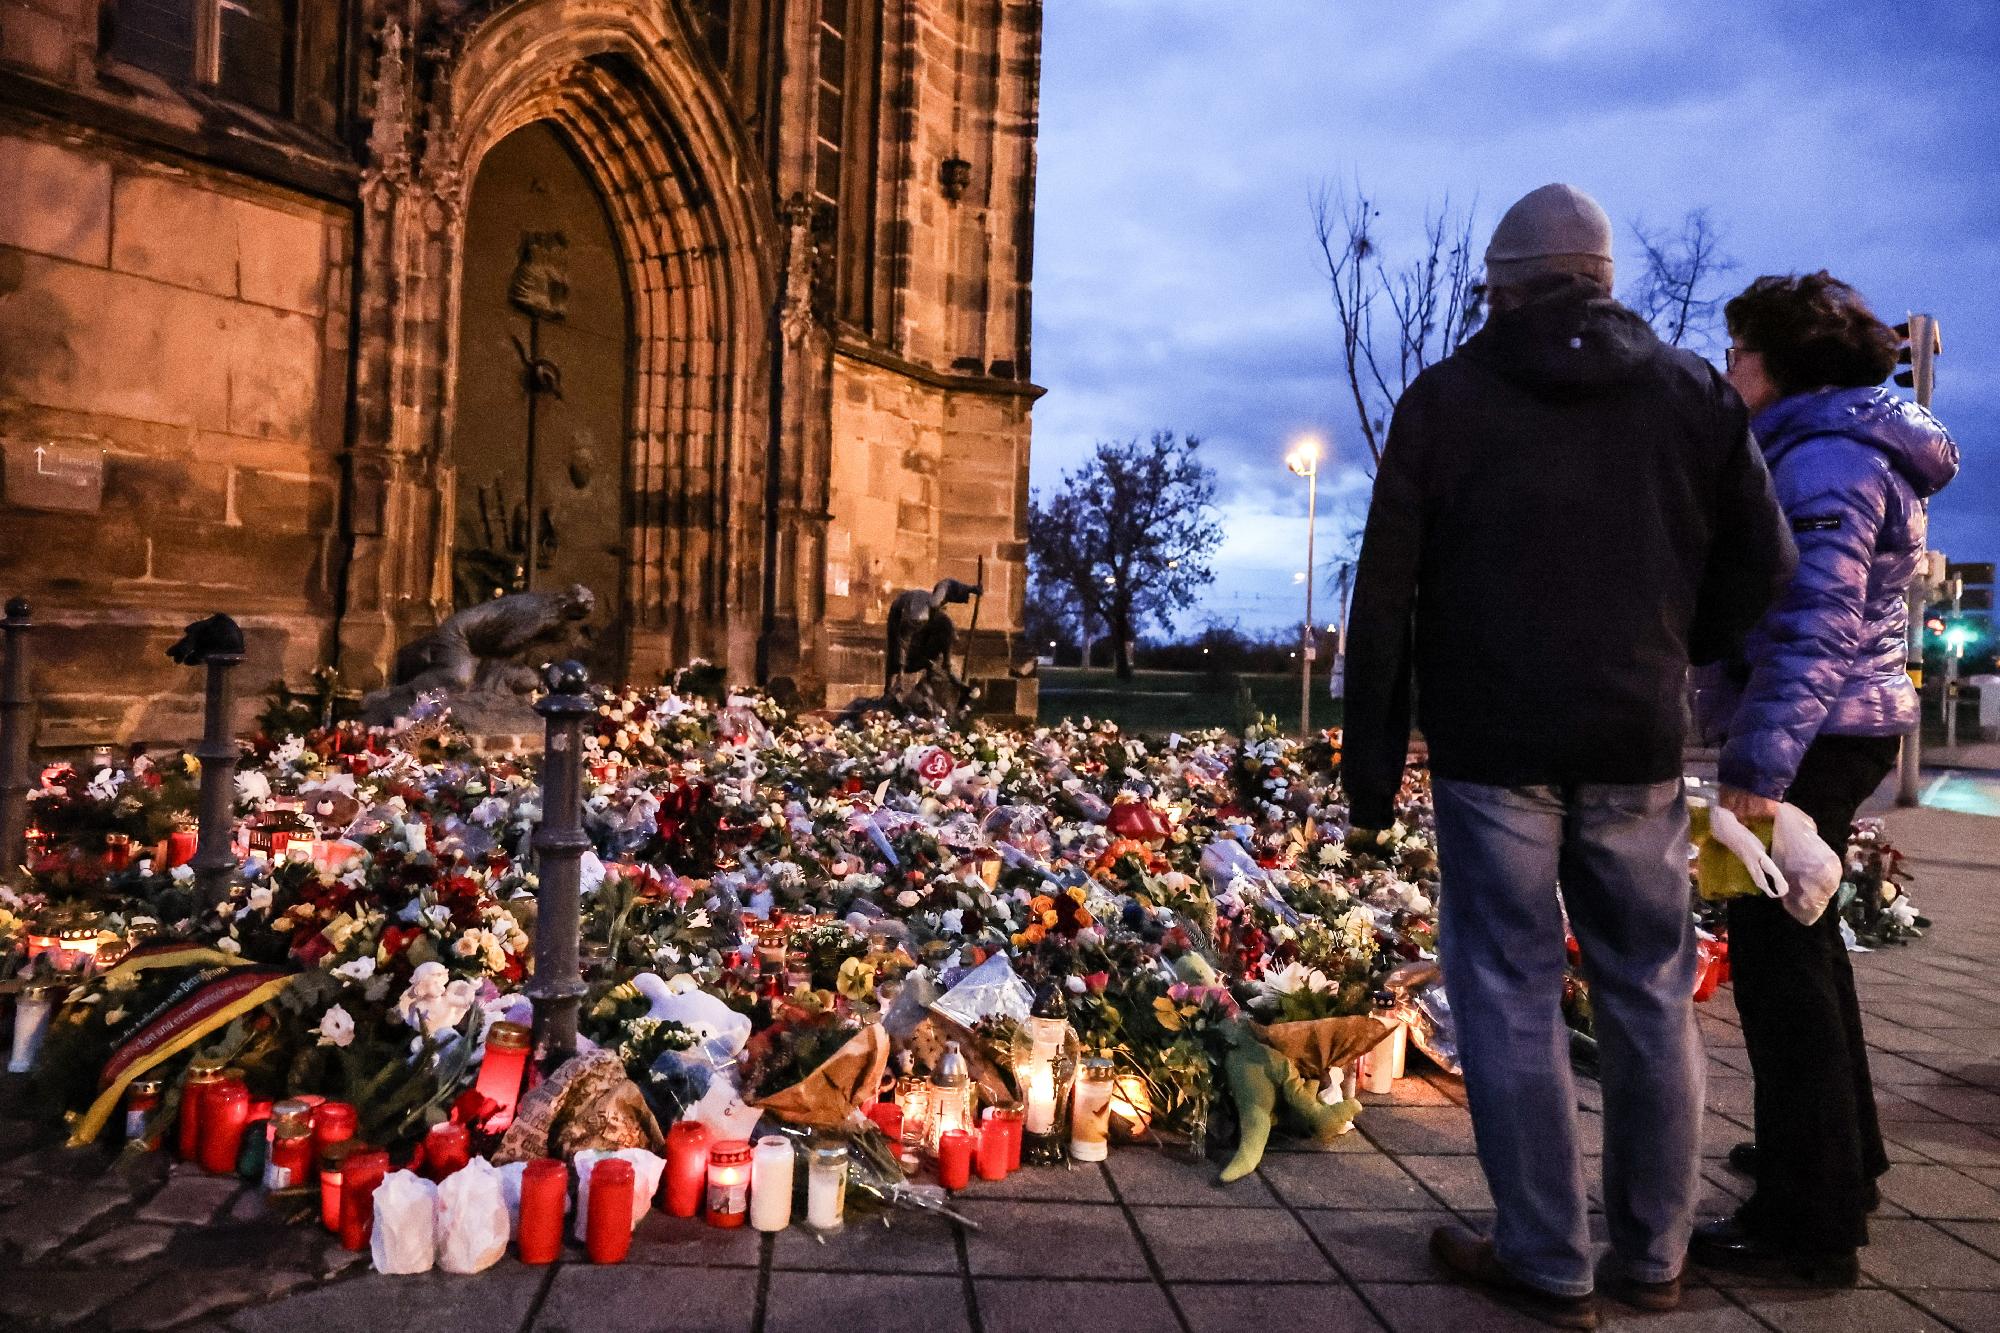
(1258, 1078)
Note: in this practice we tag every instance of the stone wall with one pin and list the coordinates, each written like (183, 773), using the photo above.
(184, 330)
(927, 479)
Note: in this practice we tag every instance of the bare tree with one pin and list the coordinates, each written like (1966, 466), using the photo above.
(1428, 305)
(1675, 291)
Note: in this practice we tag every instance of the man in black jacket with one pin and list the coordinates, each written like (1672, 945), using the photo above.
(1567, 513)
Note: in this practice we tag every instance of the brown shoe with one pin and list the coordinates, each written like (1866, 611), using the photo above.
(1658, 1297)
(1471, 1257)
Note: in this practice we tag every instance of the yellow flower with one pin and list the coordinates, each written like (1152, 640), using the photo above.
(1169, 1017)
(856, 978)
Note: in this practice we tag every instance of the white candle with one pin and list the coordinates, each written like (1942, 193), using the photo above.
(1385, 1060)
(826, 1189)
(1041, 1113)
(771, 1183)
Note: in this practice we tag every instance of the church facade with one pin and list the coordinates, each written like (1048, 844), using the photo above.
(336, 315)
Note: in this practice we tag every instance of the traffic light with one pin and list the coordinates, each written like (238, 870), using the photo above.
(1922, 345)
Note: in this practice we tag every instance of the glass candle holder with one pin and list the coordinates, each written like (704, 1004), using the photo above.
(331, 1164)
(225, 1115)
(289, 1163)
(954, 1154)
(33, 1008)
(913, 1099)
(729, 1183)
(954, 1098)
(826, 1187)
(501, 1070)
(1090, 1113)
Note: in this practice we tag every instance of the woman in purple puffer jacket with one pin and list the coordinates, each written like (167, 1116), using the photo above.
(1815, 713)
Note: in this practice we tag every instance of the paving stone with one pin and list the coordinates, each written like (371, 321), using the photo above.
(638, 1298)
(191, 1200)
(1035, 1306)
(1343, 1180)
(1349, 1140)
(1973, 1105)
(1940, 1191)
(820, 1302)
(1800, 1310)
(60, 1298)
(1952, 1144)
(1374, 1246)
(1069, 1183)
(1980, 1235)
(1969, 1310)
(1458, 1181)
(910, 1243)
(491, 1302)
(1241, 1243)
(1431, 1307)
(1413, 1091)
(176, 1296)
(1145, 1176)
(689, 1241)
(124, 1245)
(1907, 1253)
(49, 1218)
(1052, 1239)
(56, 1162)
(1233, 1307)
(1422, 1129)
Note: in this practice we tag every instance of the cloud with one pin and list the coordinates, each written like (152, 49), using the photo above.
(1177, 284)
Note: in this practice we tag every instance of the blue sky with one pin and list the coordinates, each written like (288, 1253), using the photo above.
(1176, 276)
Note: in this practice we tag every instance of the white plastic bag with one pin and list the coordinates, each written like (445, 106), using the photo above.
(646, 1170)
(510, 1194)
(1748, 848)
(405, 1239)
(471, 1218)
(1810, 866)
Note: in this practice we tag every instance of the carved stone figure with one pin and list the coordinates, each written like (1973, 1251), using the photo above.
(919, 678)
(483, 660)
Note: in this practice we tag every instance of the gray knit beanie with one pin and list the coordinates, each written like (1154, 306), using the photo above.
(1557, 229)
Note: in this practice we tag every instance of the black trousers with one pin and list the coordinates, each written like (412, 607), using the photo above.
(1819, 1145)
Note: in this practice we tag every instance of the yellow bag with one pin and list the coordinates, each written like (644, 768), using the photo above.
(1719, 873)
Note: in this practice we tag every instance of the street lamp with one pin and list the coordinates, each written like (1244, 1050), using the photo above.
(1303, 461)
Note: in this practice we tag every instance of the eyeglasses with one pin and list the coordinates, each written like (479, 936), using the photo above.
(1731, 355)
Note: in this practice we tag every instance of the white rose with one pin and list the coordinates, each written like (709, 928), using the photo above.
(360, 969)
(908, 898)
(228, 944)
(260, 897)
(336, 1027)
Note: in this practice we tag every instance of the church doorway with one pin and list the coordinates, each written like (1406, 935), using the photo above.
(538, 449)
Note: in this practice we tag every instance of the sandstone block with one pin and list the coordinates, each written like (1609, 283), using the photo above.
(174, 231)
(285, 504)
(60, 200)
(274, 362)
(281, 258)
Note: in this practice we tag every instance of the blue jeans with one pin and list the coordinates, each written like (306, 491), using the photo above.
(1620, 855)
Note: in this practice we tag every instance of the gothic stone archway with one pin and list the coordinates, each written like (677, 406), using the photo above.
(694, 230)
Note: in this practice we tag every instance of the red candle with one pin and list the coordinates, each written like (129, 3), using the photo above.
(447, 1148)
(331, 1164)
(889, 1117)
(608, 1230)
(954, 1159)
(203, 1074)
(1009, 1119)
(333, 1122)
(500, 1071)
(225, 1114)
(359, 1176)
(544, 1200)
(687, 1167)
(181, 844)
(992, 1150)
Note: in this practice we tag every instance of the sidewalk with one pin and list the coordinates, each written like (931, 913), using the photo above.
(1320, 1241)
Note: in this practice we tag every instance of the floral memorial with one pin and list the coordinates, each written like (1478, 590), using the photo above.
(831, 966)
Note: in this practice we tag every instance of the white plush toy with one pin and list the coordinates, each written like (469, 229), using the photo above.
(721, 1031)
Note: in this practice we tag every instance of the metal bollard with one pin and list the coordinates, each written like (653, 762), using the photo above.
(14, 780)
(557, 987)
(215, 643)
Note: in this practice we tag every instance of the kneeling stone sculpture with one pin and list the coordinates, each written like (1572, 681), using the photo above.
(483, 662)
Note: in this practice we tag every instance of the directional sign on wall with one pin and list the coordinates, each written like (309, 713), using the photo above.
(43, 474)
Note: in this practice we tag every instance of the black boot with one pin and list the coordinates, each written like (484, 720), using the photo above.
(1728, 1244)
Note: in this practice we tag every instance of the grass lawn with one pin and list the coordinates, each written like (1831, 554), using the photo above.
(1157, 702)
